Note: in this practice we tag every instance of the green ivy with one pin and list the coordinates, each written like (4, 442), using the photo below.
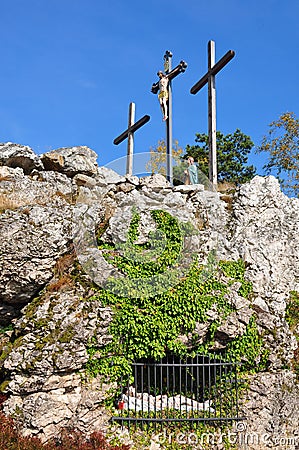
(163, 250)
(134, 225)
(236, 271)
(248, 348)
(149, 326)
(292, 318)
(3, 329)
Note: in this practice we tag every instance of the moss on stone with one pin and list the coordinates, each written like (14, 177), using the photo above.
(4, 385)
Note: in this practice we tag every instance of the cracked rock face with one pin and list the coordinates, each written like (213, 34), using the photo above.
(265, 232)
(269, 405)
(62, 324)
(46, 385)
(40, 200)
(28, 256)
(62, 402)
(32, 239)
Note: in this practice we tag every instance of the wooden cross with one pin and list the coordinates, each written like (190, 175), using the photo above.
(129, 133)
(209, 78)
(171, 74)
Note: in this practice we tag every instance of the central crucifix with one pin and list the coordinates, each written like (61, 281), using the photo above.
(163, 86)
(209, 78)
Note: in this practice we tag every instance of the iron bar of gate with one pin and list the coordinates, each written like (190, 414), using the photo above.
(178, 419)
(209, 390)
(214, 376)
(167, 390)
(236, 388)
(220, 406)
(155, 391)
(182, 364)
(225, 384)
(180, 387)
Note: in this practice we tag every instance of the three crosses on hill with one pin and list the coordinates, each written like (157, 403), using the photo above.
(163, 86)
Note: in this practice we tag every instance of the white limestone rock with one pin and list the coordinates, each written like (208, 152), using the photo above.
(16, 155)
(71, 161)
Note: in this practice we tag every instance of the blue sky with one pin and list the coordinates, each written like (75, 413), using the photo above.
(70, 68)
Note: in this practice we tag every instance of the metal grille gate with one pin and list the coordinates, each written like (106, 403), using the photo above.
(200, 389)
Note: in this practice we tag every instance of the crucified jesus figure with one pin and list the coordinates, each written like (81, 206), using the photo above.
(163, 93)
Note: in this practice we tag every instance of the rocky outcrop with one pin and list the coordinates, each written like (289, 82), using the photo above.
(71, 161)
(16, 155)
(36, 220)
(35, 230)
(45, 365)
(265, 233)
(272, 417)
(63, 401)
(49, 223)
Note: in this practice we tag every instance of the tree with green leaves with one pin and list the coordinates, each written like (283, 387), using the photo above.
(282, 145)
(232, 156)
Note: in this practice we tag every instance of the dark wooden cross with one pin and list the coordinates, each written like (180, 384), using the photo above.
(171, 74)
(129, 133)
(209, 78)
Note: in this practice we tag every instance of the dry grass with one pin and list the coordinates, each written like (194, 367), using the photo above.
(9, 201)
(69, 198)
(62, 277)
(228, 199)
(12, 200)
(226, 187)
(102, 226)
(61, 284)
(65, 263)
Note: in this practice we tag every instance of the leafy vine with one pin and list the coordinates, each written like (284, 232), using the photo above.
(150, 326)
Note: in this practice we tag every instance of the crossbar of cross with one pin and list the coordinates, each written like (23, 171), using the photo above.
(180, 68)
(129, 134)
